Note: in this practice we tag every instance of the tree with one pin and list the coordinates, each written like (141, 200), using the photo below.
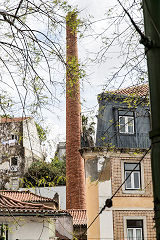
(32, 54)
(42, 133)
(45, 174)
(120, 40)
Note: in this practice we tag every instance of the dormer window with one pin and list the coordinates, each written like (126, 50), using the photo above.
(14, 136)
(14, 161)
(126, 122)
(14, 164)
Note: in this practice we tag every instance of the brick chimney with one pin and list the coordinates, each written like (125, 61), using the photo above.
(75, 178)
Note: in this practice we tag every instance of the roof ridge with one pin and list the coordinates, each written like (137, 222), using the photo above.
(25, 203)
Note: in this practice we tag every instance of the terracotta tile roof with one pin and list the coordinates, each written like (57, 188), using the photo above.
(79, 216)
(140, 90)
(25, 196)
(12, 206)
(7, 119)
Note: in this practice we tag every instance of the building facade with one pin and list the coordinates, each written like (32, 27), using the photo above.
(120, 166)
(19, 147)
(32, 220)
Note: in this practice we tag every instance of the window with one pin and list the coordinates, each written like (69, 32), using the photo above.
(134, 229)
(134, 180)
(14, 161)
(14, 164)
(4, 231)
(14, 137)
(126, 122)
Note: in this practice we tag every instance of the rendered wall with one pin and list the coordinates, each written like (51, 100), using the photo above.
(30, 228)
(31, 141)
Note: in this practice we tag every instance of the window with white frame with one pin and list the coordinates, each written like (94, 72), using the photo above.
(132, 174)
(126, 122)
(14, 137)
(134, 229)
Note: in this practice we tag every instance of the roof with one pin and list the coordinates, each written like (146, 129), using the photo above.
(140, 90)
(10, 206)
(79, 216)
(8, 119)
(25, 196)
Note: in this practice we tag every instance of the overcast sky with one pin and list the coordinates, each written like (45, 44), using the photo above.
(96, 73)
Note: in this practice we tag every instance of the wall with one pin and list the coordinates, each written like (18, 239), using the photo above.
(107, 127)
(30, 228)
(64, 226)
(31, 141)
(118, 222)
(105, 169)
(117, 159)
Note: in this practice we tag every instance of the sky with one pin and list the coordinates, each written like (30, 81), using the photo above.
(97, 72)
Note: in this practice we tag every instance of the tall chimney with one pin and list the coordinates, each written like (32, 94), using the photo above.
(75, 179)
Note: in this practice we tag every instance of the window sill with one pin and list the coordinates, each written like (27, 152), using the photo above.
(133, 191)
(127, 134)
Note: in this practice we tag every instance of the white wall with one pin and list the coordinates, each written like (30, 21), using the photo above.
(30, 137)
(28, 228)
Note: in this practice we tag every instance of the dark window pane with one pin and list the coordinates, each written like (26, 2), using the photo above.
(134, 223)
(14, 161)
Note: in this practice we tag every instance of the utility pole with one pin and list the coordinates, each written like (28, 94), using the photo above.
(152, 31)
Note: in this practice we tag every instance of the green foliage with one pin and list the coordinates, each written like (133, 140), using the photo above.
(45, 174)
(88, 124)
(42, 133)
(72, 20)
(75, 72)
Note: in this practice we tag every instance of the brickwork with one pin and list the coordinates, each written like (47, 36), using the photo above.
(118, 223)
(75, 178)
(117, 177)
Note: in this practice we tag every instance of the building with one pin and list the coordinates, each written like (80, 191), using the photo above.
(19, 147)
(50, 192)
(32, 221)
(61, 151)
(79, 223)
(46, 195)
(121, 149)
(28, 196)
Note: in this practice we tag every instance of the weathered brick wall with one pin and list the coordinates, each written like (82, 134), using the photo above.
(75, 178)
(118, 223)
(116, 173)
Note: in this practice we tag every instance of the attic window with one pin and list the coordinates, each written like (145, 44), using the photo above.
(14, 136)
(14, 161)
(126, 122)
